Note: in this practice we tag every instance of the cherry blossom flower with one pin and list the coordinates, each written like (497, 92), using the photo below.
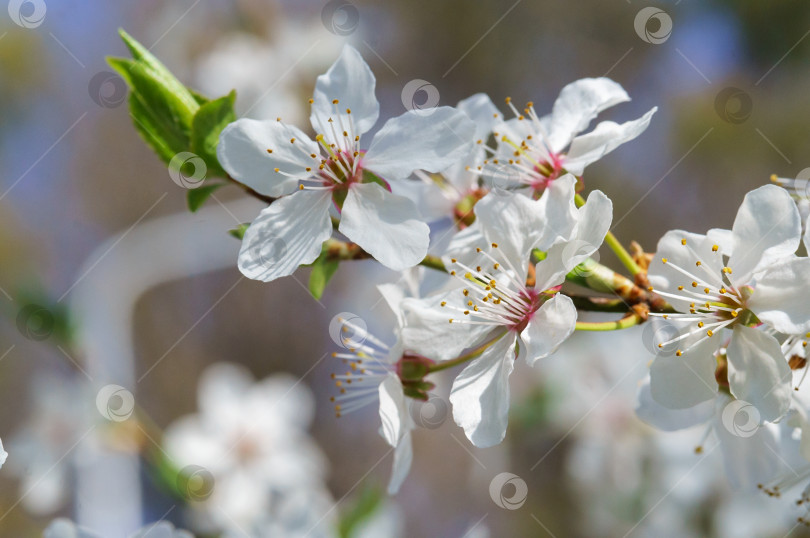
(375, 375)
(497, 308)
(533, 151)
(733, 280)
(277, 159)
(251, 437)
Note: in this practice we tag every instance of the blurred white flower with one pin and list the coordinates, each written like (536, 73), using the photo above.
(252, 438)
(44, 448)
(271, 76)
(64, 528)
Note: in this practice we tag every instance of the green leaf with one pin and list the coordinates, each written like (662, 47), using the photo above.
(322, 271)
(162, 109)
(239, 231)
(197, 197)
(206, 126)
(159, 71)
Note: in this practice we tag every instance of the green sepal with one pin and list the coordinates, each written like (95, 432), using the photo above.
(323, 269)
(239, 231)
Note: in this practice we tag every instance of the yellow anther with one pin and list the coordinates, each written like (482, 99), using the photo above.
(700, 324)
(335, 101)
(311, 101)
(709, 333)
(269, 151)
(698, 263)
(494, 245)
(275, 169)
(694, 284)
(444, 303)
(679, 353)
(715, 248)
(664, 260)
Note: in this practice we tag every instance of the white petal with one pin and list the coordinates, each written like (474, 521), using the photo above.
(433, 201)
(782, 296)
(419, 141)
(480, 109)
(798, 419)
(394, 294)
(578, 104)
(352, 83)
(666, 419)
(560, 210)
(286, 234)
(515, 223)
(593, 222)
(393, 410)
(749, 459)
(242, 152)
(428, 331)
(462, 246)
(384, 225)
(551, 325)
(606, 137)
(766, 230)
(665, 278)
(64, 528)
(3, 454)
(686, 381)
(480, 394)
(403, 456)
(758, 372)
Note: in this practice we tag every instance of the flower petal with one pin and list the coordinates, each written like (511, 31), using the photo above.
(242, 152)
(351, 82)
(766, 230)
(515, 223)
(758, 372)
(286, 234)
(606, 137)
(782, 296)
(686, 381)
(748, 459)
(417, 140)
(384, 225)
(593, 223)
(428, 331)
(481, 110)
(666, 419)
(664, 277)
(403, 456)
(393, 410)
(480, 394)
(578, 104)
(551, 325)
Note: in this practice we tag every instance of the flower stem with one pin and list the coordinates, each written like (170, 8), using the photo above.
(444, 365)
(614, 244)
(624, 323)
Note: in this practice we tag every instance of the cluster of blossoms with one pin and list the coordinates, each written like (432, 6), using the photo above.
(729, 310)
(734, 305)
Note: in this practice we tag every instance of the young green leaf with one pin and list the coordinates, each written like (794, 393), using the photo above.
(206, 126)
(162, 109)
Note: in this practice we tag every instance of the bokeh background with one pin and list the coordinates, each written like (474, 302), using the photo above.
(731, 83)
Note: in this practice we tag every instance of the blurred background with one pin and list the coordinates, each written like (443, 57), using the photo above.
(78, 184)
